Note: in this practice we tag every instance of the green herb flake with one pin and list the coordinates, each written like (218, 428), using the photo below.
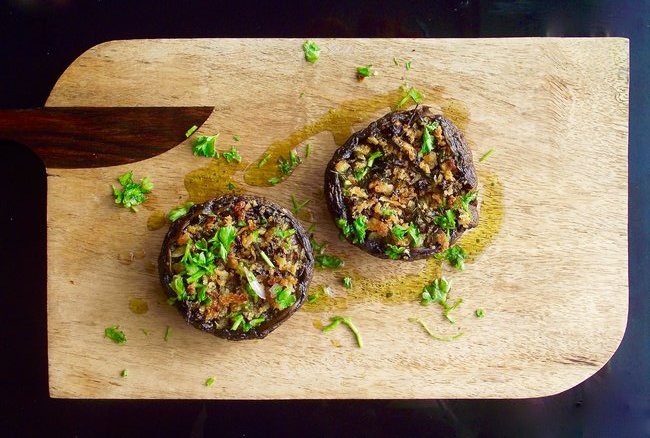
(395, 60)
(455, 255)
(446, 221)
(284, 298)
(266, 259)
(360, 226)
(328, 261)
(232, 155)
(124, 373)
(411, 94)
(209, 381)
(131, 194)
(284, 234)
(191, 131)
(407, 65)
(345, 227)
(363, 72)
(466, 199)
(479, 313)
(275, 180)
(115, 334)
(308, 150)
(204, 146)
(486, 155)
(168, 333)
(179, 211)
(372, 157)
(236, 137)
(434, 335)
(395, 252)
(428, 140)
(438, 292)
(297, 206)
(265, 159)
(337, 320)
(311, 50)
(347, 282)
(231, 186)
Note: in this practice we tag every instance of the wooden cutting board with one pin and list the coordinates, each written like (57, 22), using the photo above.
(549, 270)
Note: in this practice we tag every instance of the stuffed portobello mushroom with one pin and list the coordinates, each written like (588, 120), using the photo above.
(405, 187)
(236, 266)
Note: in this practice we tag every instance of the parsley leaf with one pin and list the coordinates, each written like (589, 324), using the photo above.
(190, 131)
(179, 211)
(438, 292)
(222, 240)
(311, 50)
(428, 141)
(265, 159)
(297, 206)
(132, 194)
(344, 226)
(455, 255)
(372, 157)
(363, 72)
(480, 313)
(236, 137)
(399, 231)
(407, 65)
(124, 373)
(209, 381)
(466, 199)
(395, 252)
(432, 334)
(266, 259)
(347, 282)
(204, 146)
(337, 320)
(359, 226)
(178, 286)
(239, 320)
(115, 334)
(447, 221)
(284, 298)
(486, 155)
(283, 234)
(411, 94)
(232, 155)
(328, 261)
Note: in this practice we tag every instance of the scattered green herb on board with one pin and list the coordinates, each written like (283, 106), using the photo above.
(231, 186)
(232, 155)
(455, 256)
(204, 146)
(209, 381)
(337, 320)
(286, 167)
(407, 66)
(328, 261)
(308, 150)
(236, 137)
(410, 94)
(486, 155)
(191, 131)
(395, 61)
(363, 72)
(168, 333)
(347, 282)
(146, 332)
(179, 211)
(480, 313)
(394, 252)
(297, 206)
(115, 334)
(465, 199)
(438, 292)
(311, 50)
(131, 194)
(302, 93)
(432, 334)
(265, 159)
(124, 373)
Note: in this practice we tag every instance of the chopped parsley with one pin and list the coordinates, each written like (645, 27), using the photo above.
(179, 211)
(395, 60)
(394, 252)
(446, 221)
(284, 298)
(190, 131)
(204, 146)
(466, 199)
(209, 381)
(232, 155)
(286, 167)
(236, 137)
(283, 234)
(372, 157)
(486, 155)
(222, 240)
(328, 261)
(345, 227)
(231, 186)
(411, 94)
(297, 206)
(265, 159)
(455, 255)
(115, 334)
(168, 333)
(131, 194)
(266, 259)
(437, 292)
(347, 282)
(400, 231)
(275, 180)
(480, 313)
(311, 50)
(308, 150)
(386, 212)
(124, 373)
(337, 320)
(432, 334)
(359, 226)
(407, 65)
(239, 320)
(428, 141)
(363, 72)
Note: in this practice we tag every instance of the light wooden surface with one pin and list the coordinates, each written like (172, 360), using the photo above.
(553, 282)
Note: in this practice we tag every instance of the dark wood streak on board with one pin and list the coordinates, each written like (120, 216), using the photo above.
(86, 137)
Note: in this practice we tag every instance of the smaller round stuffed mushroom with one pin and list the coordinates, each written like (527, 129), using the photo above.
(236, 266)
(405, 187)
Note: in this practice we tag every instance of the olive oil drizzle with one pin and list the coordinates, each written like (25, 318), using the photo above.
(212, 180)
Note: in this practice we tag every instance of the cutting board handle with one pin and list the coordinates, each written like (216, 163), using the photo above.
(84, 137)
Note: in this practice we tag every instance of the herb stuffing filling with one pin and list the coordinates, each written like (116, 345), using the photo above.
(237, 265)
(406, 186)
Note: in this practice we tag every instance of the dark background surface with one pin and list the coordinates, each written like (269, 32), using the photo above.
(41, 38)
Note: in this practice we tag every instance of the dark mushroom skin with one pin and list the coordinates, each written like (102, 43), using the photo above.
(245, 214)
(405, 185)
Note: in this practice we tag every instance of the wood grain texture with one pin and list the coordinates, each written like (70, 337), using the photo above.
(96, 137)
(553, 282)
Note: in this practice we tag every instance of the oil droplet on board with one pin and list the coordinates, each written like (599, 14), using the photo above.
(214, 180)
(156, 220)
(138, 306)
